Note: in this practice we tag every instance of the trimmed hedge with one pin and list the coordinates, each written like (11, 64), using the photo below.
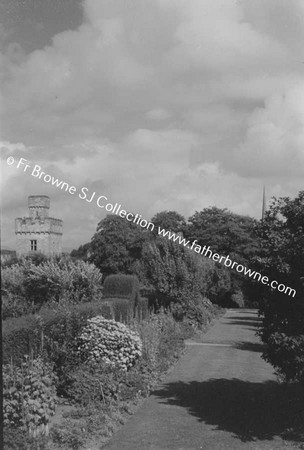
(51, 330)
(122, 286)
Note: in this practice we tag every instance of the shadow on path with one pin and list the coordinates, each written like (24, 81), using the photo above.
(251, 323)
(250, 346)
(251, 411)
(246, 318)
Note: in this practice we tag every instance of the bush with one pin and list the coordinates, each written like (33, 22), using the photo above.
(175, 272)
(122, 286)
(109, 342)
(281, 257)
(286, 354)
(92, 384)
(76, 281)
(282, 331)
(54, 279)
(194, 309)
(29, 396)
(69, 435)
(171, 342)
(12, 280)
(54, 331)
(162, 340)
(18, 439)
(20, 336)
(14, 305)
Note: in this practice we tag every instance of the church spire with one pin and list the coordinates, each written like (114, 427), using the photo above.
(264, 203)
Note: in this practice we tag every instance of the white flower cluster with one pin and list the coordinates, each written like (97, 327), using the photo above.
(110, 342)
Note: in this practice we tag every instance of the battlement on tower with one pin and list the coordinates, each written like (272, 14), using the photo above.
(38, 225)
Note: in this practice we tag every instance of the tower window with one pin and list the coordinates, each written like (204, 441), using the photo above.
(34, 245)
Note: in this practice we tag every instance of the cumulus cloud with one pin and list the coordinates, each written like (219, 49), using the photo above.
(159, 105)
(274, 139)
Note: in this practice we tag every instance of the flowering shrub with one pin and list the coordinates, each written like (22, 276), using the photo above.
(109, 342)
(29, 396)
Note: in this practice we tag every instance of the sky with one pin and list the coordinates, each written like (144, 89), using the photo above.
(154, 104)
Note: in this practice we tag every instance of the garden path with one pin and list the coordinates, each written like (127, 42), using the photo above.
(220, 395)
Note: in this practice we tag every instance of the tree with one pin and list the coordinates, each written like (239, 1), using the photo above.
(180, 276)
(169, 220)
(227, 234)
(281, 258)
(224, 231)
(83, 252)
(117, 245)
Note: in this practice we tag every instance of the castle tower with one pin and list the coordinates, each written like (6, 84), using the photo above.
(38, 233)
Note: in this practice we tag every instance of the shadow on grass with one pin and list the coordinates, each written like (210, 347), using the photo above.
(250, 411)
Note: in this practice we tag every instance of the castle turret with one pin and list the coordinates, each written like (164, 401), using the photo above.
(39, 206)
(38, 233)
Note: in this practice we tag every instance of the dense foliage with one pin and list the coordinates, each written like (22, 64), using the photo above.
(169, 220)
(225, 232)
(54, 331)
(74, 281)
(12, 280)
(181, 276)
(119, 246)
(116, 246)
(282, 258)
(28, 285)
(100, 361)
(29, 396)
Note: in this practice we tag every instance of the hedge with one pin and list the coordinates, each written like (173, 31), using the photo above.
(19, 336)
(31, 333)
(122, 286)
(143, 308)
(53, 280)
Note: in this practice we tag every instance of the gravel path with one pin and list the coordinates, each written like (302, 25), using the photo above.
(220, 395)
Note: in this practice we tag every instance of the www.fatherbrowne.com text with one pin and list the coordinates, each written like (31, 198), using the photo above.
(116, 208)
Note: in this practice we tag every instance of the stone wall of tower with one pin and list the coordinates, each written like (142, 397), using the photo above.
(38, 233)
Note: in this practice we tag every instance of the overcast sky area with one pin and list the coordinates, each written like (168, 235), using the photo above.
(156, 104)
